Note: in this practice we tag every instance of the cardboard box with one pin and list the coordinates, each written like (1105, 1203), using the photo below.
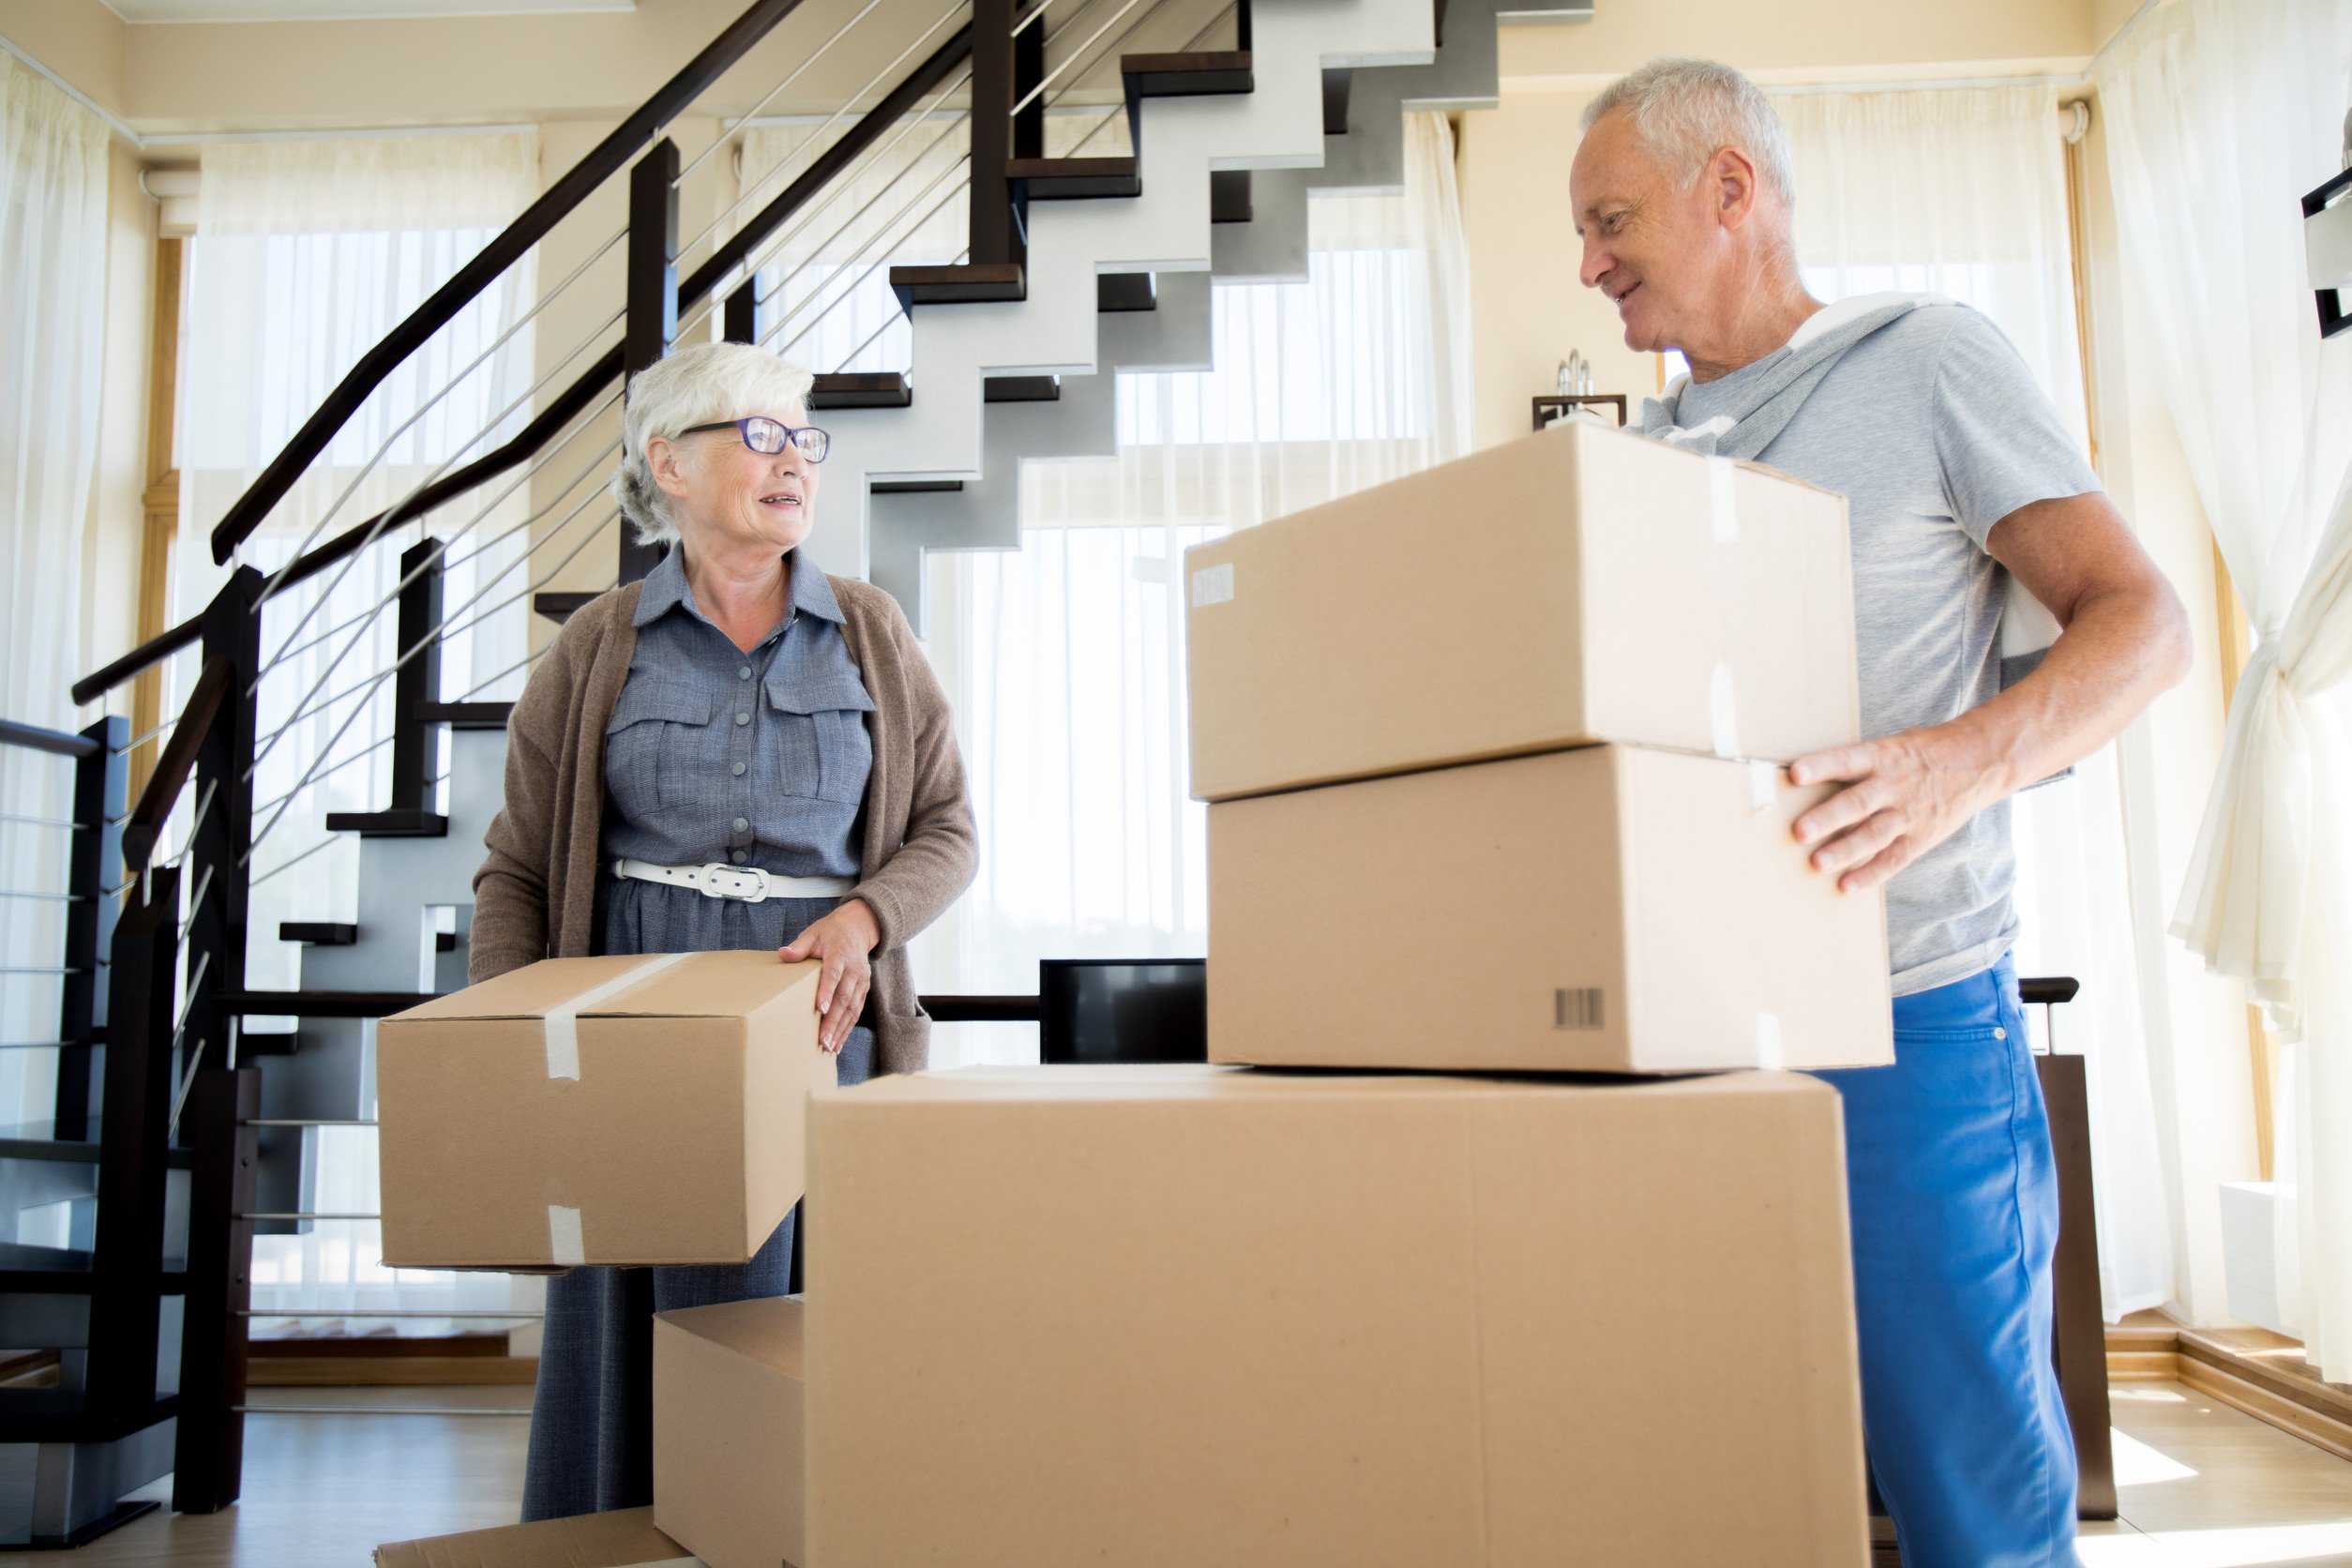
(728, 1446)
(627, 1110)
(1572, 587)
(1183, 1315)
(1609, 908)
(624, 1539)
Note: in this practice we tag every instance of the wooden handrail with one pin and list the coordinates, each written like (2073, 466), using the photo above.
(178, 759)
(555, 203)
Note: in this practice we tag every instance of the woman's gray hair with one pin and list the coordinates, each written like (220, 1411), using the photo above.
(1686, 111)
(695, 385)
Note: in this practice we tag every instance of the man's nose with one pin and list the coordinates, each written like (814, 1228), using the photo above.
(1597, 263)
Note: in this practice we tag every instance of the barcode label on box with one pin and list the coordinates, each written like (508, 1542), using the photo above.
(1213, 585)
(1577, 1007)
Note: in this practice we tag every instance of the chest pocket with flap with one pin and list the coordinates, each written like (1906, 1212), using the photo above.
(655, 735)
(820, 738)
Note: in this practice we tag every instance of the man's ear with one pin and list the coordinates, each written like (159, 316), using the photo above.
(1731, 180)
(665, 461)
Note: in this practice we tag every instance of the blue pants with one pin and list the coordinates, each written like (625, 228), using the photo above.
(1953, 1195)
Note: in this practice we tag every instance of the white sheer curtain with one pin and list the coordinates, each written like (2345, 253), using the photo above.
(2221, 114)
(1065, 660)
(1961, 191)
(306, 253)
(53, 286)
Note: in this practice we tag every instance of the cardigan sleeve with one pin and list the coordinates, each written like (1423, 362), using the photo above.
(939, 854)
(510, 891)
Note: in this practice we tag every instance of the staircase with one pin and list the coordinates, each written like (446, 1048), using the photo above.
(1077, 268)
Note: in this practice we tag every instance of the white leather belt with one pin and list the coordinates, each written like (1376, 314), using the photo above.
(747, 884)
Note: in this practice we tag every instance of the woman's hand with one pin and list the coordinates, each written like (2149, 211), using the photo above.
(845, 942)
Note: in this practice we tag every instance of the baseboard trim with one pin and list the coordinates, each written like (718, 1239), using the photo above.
(2261, 1375)
(388, 1371)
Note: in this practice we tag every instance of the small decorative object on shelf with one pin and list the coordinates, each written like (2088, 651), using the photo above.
(1551, 409)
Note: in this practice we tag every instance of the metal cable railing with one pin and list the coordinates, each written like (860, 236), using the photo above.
(586, 420)
(725, 137)
(780, 241)
(369, 683)
(391, 516)
(776, 331)
(270, 588)
(1119, 109)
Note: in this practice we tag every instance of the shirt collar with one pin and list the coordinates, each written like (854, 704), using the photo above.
(665, 589)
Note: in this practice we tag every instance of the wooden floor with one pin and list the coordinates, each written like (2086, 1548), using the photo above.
(2203, 1486)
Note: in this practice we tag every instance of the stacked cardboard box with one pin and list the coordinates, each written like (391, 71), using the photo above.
(1649, 633)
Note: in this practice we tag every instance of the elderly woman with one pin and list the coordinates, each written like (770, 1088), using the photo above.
(737, 752)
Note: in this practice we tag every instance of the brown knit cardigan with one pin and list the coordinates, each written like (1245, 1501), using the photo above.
(535, 896)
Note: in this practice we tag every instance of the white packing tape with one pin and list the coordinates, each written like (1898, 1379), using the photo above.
(1723, 500)
(1768, 1052)
(562, 1023)
(564, 1243)
(1763, 786)
(1723, 712)
(1213, 585)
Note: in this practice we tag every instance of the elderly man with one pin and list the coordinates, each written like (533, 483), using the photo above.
(1955, 468)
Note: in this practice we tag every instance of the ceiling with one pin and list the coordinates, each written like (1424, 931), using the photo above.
(313, 11)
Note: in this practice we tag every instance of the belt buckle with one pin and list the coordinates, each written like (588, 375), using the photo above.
(750, 883)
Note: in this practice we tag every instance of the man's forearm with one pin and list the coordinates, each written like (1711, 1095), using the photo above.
(2118, 652)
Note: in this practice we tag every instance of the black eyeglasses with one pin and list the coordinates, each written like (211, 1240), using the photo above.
(767, 436)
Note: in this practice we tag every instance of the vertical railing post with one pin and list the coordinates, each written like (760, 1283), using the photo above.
(224, 1152)
(418, 681)
(127, 1261)
(741, 323)
(652, 293)
(1028, 70)
(220, 836)
(996, 233)
(101, 796)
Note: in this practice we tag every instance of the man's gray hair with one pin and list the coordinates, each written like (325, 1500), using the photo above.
(1686, 111)
(695, 385)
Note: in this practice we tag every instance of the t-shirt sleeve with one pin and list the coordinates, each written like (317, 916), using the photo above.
(2000, 441)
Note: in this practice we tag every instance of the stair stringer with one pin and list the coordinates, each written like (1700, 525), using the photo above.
(984, 514)
(1166, 229)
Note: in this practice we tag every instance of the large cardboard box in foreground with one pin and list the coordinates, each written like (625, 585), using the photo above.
(728, 1442)
(1174, 1316)
(624, 1539)
(1576, 586)
(1610, 909)
(627, 1110)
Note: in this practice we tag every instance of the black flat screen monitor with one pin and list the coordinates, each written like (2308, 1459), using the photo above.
(1123, 1010)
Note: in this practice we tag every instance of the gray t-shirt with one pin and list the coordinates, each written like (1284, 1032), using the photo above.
(1934, 430)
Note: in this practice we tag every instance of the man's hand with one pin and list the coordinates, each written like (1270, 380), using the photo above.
(845, 940)
(1908, 793)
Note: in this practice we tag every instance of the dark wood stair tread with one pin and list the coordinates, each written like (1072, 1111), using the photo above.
(402, 823)
(319, 933)
(1065, 179)
(467, 715)
(1021, 389)
(1126, 291)
(861, 389)
(1188, 75)
(557, 605)
(969, 283)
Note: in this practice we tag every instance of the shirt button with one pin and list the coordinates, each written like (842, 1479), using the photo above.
(743, 718)
(742, 823)
(745, 673)
(736, 770)
(738, 856)
(2001, 1034)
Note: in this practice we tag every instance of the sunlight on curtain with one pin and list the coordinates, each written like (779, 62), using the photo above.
(308, 253)
(1065, 660)
(1961, 191)
(2219, 115)
(52, 284)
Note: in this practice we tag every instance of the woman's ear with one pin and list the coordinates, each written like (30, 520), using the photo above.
(666, 461)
